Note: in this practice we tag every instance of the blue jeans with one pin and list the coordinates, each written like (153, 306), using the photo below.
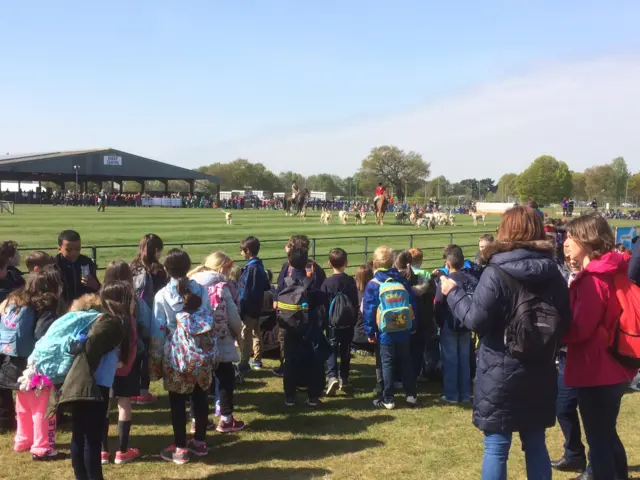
(496, 454)
(397, 352)
(456, 350)
(567, 413)
(340, 341)
(599, 408)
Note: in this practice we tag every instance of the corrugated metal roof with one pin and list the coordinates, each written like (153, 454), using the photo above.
(25, 157)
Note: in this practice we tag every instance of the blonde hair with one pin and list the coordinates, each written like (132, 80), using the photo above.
(383, 257)
(234, 272)
(216, 262)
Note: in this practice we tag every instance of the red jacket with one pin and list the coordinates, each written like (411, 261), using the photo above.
(594, 317)
(379, 190)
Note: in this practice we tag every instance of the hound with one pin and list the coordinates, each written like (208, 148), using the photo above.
(303, 214)
(325, 217)
(344, 216)
(452, 219)
(422, 222)
(476, 215)
(227, 217)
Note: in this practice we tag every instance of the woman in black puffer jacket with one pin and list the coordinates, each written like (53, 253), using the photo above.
(512, 395)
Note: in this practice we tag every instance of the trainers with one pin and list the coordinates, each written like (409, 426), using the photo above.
(244, 367)
(412, 401)
(379, 403)
(199, 449)
(448, 400)
(313, 402)
(290, 402)
(147, 399)
(278, 372)
(105, 458)
(333, 387)
(210, 426)
(50, 454)
(255, 365)
(179, 456)
(231, 426)
(126, 457)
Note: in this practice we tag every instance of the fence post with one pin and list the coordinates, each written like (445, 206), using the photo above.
(451, 238)
(366, 249)
(410, 241)
(94, 255)
(313, 248)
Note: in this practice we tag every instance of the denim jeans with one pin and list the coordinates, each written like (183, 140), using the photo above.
(567, 412)
(455, 363)
(340, 341)
(389, 354)
(496, 454)
(599, 408)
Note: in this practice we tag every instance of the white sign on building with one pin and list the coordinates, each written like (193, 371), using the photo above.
(112, 160)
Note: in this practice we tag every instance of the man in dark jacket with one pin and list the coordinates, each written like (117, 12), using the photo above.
(78, 271)
(253, 283)
(455, 338)
(634, 263)
(511, 395)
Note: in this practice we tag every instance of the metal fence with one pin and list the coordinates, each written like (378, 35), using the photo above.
(359, 248)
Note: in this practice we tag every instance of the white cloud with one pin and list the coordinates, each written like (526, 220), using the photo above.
(583, 113)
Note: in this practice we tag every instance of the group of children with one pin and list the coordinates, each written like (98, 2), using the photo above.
(67, 337)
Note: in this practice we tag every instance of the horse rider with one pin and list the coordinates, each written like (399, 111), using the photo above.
(294, 190)
(380, 190)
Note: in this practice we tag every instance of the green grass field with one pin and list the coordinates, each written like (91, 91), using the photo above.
(345, 438)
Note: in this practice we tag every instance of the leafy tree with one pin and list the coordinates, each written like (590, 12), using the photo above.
(620, 177)
(599, 180)
(397, 168)
(506, 187)
(437, 187)
(546, 180)
(579, 186)
(287, 179)
(634, 187)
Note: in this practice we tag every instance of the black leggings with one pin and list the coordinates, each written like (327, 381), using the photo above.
(226, 375)
(87, 427)
(200, 405)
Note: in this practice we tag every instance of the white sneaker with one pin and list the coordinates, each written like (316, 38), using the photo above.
(446, 400)
(381, 404)
(333, 387)
(412, 401)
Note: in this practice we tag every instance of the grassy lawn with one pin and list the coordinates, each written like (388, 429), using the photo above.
(345, 438)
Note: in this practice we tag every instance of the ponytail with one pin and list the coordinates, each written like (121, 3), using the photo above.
(403, 264)
(191, 302)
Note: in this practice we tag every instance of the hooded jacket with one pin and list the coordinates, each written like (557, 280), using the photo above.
(228, 327)
(510, 395)
(595, 314)
(253, 283)
(371, 301)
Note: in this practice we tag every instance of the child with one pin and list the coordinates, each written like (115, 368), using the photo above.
(26, 317)
(417, 257)
(149, 277)
(37, 260)
(178, 296)
(12, 279)
(253, 284)
(300, 355)
(126, 385)
(313, 270)
(483, 242)
(235, 272)
(78, 271)
(392, 338)
(363, 275)
(87, 384)
(455, 339)
(340, 336)
(227, 326)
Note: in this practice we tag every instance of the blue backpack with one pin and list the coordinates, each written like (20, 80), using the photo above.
(17, 326)
(395, 312)
(54, 353)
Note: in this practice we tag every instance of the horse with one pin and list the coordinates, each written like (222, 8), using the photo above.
(381, 207)
(293, 206)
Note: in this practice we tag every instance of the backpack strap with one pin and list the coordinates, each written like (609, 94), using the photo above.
(288, 281)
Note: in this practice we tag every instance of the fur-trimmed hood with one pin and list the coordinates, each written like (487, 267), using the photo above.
(526, 261)
(90, 301)
(421, 287)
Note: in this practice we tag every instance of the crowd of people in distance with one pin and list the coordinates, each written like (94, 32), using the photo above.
(538, 328)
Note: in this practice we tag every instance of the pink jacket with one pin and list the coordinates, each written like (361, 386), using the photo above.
(594, 317)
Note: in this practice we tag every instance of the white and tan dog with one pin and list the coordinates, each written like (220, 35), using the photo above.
(227, 217)
(303, 214)
(344, 216)
(360, 217)
(325, 217)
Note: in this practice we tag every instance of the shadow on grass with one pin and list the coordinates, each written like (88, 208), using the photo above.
(267, 473)
(330, 424)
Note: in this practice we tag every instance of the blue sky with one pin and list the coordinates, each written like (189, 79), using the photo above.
(312, 86)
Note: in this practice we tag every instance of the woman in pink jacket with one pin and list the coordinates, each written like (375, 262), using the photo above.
(600, 379)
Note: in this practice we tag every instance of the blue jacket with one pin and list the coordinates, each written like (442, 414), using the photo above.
(371, 300)
(634, 265)
(510, 396)
(253, 283)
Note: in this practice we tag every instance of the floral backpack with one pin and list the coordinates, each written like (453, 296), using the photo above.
(219, 310)
(192, 348)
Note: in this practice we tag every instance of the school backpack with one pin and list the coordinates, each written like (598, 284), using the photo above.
(192, 349)
(535, 328)
(218, 304)
(293, 306)
(143, 284)
(395, 312)
(54, 353)
(17, 325)
(309, 269)
(624, 343)
(342, 313)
